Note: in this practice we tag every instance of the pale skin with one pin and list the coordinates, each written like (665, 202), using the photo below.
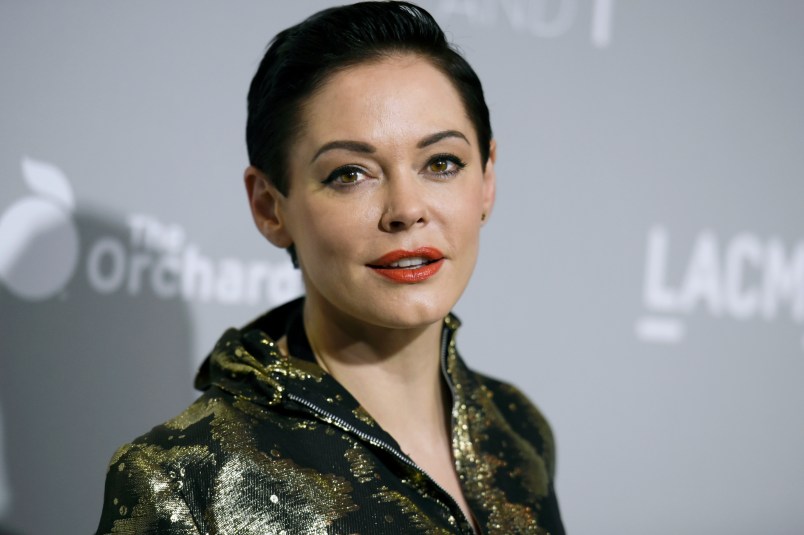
(409, 175)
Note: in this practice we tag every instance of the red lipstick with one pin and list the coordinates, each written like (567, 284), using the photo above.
(408, 267)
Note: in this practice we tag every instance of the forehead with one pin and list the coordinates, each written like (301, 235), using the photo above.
(390, 101)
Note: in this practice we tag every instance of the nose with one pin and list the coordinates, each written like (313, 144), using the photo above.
(405, 204)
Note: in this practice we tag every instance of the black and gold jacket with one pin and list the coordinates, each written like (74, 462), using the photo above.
(276, 446)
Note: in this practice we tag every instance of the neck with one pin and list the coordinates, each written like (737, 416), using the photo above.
(393, 373)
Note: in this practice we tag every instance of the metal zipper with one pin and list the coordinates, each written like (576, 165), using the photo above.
(384, 445)
(444, 336)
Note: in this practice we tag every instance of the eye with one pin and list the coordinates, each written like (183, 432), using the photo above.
(445, 165)
(348, 175)
(439, 166)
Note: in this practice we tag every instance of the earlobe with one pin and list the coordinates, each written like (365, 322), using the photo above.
(267, 207)
(489, 182)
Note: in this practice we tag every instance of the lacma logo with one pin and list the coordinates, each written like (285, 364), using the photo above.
(744, 277)
(39, 254)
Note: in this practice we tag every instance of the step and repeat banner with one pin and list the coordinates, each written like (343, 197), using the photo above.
(641, 277)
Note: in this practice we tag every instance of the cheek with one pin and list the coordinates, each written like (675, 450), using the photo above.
(327, 231)
(462, 211)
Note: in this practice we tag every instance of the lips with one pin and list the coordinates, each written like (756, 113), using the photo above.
(408, 267)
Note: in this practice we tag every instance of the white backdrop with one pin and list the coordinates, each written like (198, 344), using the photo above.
(642, 276)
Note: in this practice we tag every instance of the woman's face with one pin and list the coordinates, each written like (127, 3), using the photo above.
(387, 195)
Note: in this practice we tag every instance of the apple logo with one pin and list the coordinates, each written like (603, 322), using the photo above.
(38, 237)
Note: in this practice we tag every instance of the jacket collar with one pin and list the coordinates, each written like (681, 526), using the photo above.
(247, 364)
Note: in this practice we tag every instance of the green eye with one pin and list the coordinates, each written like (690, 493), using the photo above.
(439, 166)
(349, 177)
(345, 176)
(444, 165)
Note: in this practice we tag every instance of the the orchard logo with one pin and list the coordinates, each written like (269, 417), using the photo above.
(40, 252)
(38, 238)
(742, 277)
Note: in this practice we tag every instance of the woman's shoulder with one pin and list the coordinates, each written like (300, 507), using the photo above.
(145, 477)
(524, 417)
(188, 436)
(214, 421)
(160, 478)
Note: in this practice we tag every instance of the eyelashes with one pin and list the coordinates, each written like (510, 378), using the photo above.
(439, 166)
(347, 175)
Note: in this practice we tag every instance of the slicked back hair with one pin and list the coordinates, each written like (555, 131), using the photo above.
(300, 59)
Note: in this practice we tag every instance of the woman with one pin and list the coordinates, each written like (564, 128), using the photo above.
(350, 411)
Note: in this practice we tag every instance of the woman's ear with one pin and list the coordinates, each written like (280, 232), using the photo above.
(267, 207)
(489, 182)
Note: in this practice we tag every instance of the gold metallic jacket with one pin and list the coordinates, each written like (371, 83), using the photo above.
(276, 445)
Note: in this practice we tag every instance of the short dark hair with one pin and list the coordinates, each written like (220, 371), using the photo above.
(301, 58)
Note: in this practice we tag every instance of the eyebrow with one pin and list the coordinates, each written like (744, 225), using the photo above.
(353, 146)
(438, 136)
(359, 146)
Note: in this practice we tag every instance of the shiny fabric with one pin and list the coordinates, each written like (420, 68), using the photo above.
(276, 446)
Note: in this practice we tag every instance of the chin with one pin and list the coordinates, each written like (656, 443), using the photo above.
(392, 306)
(409, 311)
